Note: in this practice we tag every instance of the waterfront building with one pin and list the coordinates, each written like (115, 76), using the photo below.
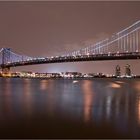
(127, 70)
(118, 71)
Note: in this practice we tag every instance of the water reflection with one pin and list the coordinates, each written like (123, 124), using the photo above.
(114, 85)
(139, 110)
(108, 106)
(43, 84)
(88, 99)
(8, 111)
(112, 101)
(27, 99)
(7, 87)
(119, 82)
(100, 103)
(137, 86)
(27, 87)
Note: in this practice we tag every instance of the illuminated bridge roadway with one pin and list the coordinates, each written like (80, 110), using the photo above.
(76, 58)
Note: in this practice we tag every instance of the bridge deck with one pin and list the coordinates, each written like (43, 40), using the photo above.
(64, 59)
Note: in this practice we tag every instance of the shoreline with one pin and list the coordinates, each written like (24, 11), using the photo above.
(76, 78)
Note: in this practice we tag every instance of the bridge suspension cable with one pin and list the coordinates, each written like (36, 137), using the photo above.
(127, 40)
(7, 56)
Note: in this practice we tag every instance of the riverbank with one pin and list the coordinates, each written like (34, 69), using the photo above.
(74, 78)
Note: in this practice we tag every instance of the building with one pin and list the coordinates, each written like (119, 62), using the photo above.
(127, 70)
(71, 74)
(118, 71)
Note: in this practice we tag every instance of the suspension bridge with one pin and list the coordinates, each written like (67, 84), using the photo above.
(120, 46)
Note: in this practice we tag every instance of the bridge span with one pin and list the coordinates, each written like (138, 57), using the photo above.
(120, 46)
(76, 58)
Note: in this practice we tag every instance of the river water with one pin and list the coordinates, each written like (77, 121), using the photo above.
(99, 108)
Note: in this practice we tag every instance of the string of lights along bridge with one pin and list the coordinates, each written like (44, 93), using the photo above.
(121, 45)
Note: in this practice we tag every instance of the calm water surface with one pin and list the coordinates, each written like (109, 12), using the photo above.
(100, 108)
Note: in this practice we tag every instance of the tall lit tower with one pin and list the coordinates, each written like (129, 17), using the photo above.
(127, 70)
(118, 71)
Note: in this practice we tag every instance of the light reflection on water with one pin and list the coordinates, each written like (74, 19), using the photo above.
(95, 102)
(43, 84)
(137, 87)
(139, 110)
(88, 99)
(114, 85)
(27, 100)
(7, 110)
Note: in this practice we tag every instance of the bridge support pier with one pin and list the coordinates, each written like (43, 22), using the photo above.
(6, 72)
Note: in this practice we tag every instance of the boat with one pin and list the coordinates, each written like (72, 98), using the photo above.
(75, 81)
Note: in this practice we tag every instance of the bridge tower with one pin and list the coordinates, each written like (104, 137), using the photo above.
(5, 59)
(6, 55)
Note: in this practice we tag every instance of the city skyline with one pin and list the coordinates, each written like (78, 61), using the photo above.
(60, 27)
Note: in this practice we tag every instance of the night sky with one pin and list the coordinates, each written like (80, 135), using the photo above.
(53, 28)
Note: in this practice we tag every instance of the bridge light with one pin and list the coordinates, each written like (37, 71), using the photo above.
(109, 53)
